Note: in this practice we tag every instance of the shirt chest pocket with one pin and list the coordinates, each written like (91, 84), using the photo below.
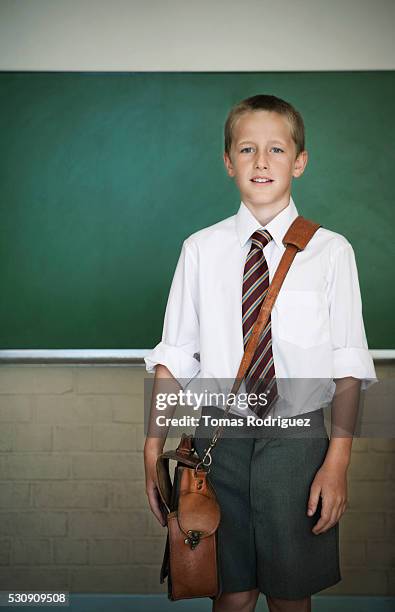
(302, 317)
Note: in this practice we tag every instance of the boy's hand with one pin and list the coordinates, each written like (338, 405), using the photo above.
(154, 443)
(151, 488)
(330, 483)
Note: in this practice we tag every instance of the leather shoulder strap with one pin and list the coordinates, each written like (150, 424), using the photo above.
(300, 232)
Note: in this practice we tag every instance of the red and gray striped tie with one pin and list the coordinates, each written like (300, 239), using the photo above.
(260, 376)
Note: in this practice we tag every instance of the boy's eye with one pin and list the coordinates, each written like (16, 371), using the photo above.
(249, 149)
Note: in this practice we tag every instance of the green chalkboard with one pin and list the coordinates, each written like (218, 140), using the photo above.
(103, 175)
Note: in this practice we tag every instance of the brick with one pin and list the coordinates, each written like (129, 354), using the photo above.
(15, 408)
(352, 552)
(108, 551)
(33, 523)
(371, 466)
(34, 579)
(359, 581)
(378, 409)
(390, 524)
(5, 551)
(14, 495)
(72, 437)
(6, 438)
(380, 553)
(107, 524)
(129, 495)
(382, 445)
(384, 387)
(70, 495)
(109, 380)
(73, 409)
(147, 550)
(391, 582)
(140, 437)
(360, 445)
(70, 551)
(35, 379)
(120, 579)
(371, 495)
(385, 384)
(103, 465)
(127, 408)
(120, 437)
(384, 369)
(40, 466)
(362, 525)
(31, 551)
(33, 437)
(377, 430)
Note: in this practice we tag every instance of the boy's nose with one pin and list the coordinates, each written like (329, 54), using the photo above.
(261, 161)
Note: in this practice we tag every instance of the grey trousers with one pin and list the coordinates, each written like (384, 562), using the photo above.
(263, 484)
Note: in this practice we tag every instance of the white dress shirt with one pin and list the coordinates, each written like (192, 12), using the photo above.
(317, 324)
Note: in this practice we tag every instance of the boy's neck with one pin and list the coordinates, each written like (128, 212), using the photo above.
(265, 214)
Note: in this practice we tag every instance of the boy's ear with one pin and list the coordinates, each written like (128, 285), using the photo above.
(228, 164)
(300, 164)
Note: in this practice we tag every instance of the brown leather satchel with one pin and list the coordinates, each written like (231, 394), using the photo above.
(190, 561)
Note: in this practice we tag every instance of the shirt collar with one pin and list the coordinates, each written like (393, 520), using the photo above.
(247, 223)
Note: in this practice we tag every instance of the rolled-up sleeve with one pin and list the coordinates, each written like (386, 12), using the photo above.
(179, 347)
(351, 356)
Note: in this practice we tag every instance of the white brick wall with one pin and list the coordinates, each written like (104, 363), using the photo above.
(73, 509)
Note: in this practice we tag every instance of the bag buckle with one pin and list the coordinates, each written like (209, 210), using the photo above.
(193, 539)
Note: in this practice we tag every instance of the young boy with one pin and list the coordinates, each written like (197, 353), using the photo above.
(281, 497)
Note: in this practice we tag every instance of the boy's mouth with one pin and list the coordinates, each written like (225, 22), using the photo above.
(261, 180)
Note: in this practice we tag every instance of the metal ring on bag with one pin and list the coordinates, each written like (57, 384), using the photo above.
(207, 455)
(204, 462)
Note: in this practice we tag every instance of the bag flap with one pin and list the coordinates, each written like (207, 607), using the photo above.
(198, 509)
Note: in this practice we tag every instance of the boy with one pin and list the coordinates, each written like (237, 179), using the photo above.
(281, 498)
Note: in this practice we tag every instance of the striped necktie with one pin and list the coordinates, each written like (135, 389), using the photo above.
(260, 376)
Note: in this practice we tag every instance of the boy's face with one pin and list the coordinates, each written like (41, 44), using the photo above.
(262, 147)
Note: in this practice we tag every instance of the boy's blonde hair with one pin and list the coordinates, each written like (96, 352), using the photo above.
(268, 103)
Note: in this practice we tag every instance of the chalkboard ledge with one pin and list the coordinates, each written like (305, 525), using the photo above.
(109, 356)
